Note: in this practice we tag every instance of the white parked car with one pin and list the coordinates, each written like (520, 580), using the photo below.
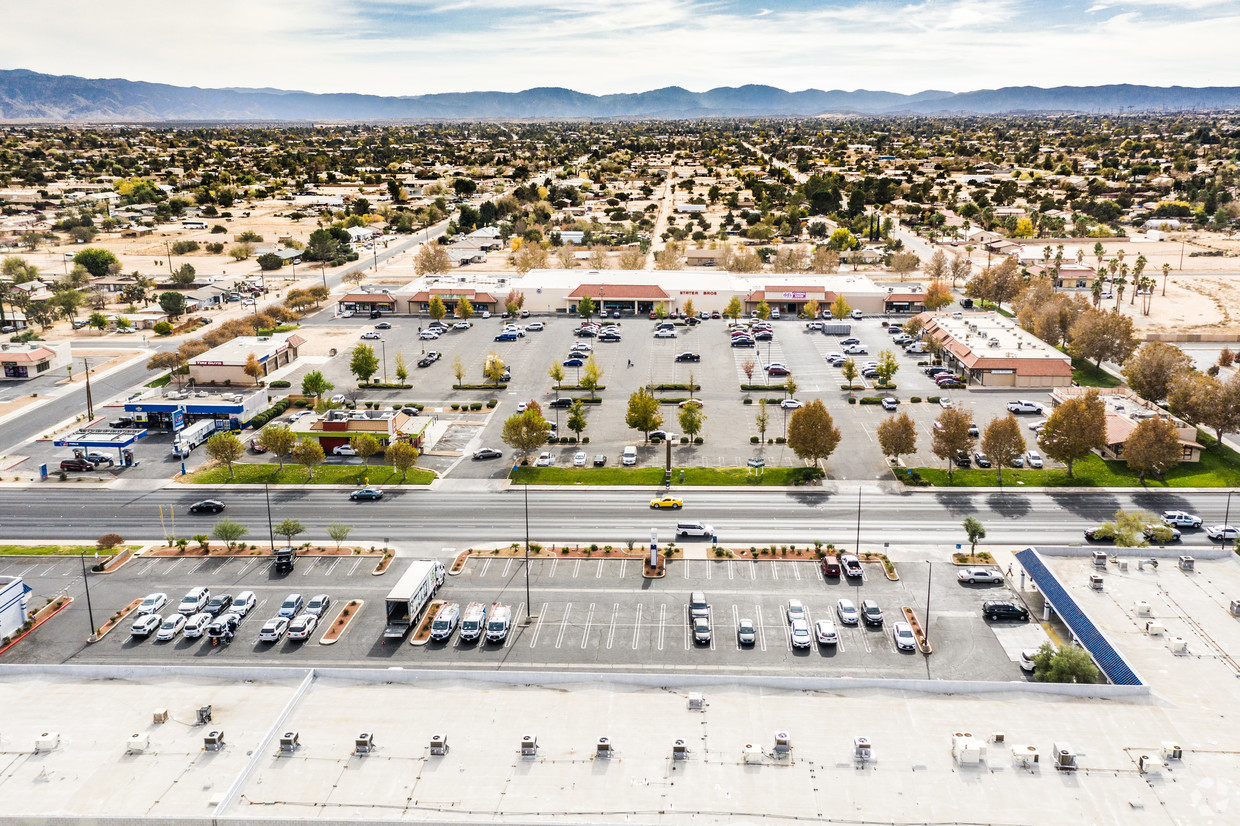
(344, 450)
(273, 630)
(826, 632)
(791, 404)
(857, 314)
(428, 335)
(855, 349)
(371, 335)
(336, 399)
(347, 314)
(665, 333)
(902, 633)
(1033, 459)
(244, 603)
(462, 325)
(544, 460)
(534, 327)
(890, 403)
(302, 627)
(486, 313)
(1024, 406)
(801, 637)
(146, 624)
(846, 610)
(579, 459)
(1223, 532)
(796, 610)
(170, 627)
(196, 625)
(152, 603)
(975, 575)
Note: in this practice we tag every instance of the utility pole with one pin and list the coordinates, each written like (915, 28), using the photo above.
(89, 611)
(270, 530)
(168, 250)
(90, 405)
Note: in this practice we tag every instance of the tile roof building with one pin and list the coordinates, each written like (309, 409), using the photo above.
(990, 350)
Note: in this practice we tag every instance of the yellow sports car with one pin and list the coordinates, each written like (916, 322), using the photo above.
(668, 501)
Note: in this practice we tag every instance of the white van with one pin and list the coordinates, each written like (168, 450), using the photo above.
(628, 458)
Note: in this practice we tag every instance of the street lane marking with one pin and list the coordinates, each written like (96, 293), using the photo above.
(585, 634)
(637, 625)
(538, 622)
(611, 630)
(568, 609)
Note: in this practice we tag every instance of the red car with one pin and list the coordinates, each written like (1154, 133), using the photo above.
(257, 446)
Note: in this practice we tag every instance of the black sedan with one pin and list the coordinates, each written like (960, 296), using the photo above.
(1099, 534)
(488, 453)
(688, 357)
(207, 506)
(430, 358)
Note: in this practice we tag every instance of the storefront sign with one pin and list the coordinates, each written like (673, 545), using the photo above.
(792, 296)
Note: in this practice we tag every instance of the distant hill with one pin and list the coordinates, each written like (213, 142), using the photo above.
(30, 96)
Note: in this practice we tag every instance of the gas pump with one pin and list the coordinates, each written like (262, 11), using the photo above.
(127, 457)
(78, 453)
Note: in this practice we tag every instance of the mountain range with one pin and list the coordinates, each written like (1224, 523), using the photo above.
(27, 96)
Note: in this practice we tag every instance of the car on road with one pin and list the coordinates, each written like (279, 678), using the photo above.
(544, 460)
(219, 604)
(488, 453)
(890, 403)
(902, 633)
(430, 358)
(1003, 610)
(1222, 532)
(383, 325)
(244, 603)
(344, 450)
(976, 575)
(318, 604)
(688, 357)
(506, 336)
(170, 627)
(291, 606)
(1024, 406)
(826, 633)
(1033, 459)
(801, 637)
(371, 335)
(1160, 533)
(746, 633)
(665, 333)
(146, 624)
(574, 361)
(207, 506)
(196, 625)
(791, 404)
(366, 494)
(871, 613)
(1099, 534)
(846, 610)
(666, 501)
(257, 446)
(795, 610)
(1181, 519)
(579, 459)
(302, 627)
(694, 529)
(76, 464)
(152, 603)
(851, 565)
(273, 630)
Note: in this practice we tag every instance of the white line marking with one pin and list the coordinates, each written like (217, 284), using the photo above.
(662, 623)
(611, 629)
(576, 567)
(568, 608)
(486, 564)
(538, 622)
(637, 626)
(507, 566)
(585, 635)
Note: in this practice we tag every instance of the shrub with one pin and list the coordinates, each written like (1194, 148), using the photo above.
(475, 405)
(279, 383)
(163, 328)
(914, 399)
(932, 399)
(852, 399)
(753, 440)
(870, 400)
(216, 249)
(218, 229)
(490, 404)
(747, 400)
(684, 440)
(698, 440)
(779, 440)
(184, 247)
(109, 540)
(455, 406)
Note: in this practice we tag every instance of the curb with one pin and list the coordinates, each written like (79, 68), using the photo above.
(357, 610)
(121, 615)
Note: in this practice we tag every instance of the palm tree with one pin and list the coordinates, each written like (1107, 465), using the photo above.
(1119, 284)
(1166, 271)
(1120, 255)
(1147, 285)
(1096, 291)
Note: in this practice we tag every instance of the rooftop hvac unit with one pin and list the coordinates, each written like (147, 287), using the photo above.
(439, 744)
(680, 750)
(161, 715)
(1155, 629)
(966, 750)
(1171, 751)
(1147, 764)
(1178, 645)
(1235, 607)
(751, 753)
(1186, 563)
(697, 702)
(1095, 582)
(290, 741)
(1143, 609)
(47, 741)
(214, 741)
(862, 749)
(1024, 755)
(1100, 559)
(603, 749)
(997, 737)
(365, 743)
(1123, 565)
(529, 745)
(1065, 757)
(203, 716)
(137, 743)
(783, 742)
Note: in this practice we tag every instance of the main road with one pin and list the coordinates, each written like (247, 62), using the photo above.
(432, 519)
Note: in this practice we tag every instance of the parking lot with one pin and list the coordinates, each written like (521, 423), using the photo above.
(588, 613)
(641, 359)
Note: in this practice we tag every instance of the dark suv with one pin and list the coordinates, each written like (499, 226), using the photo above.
(76, 464)
(997, 610)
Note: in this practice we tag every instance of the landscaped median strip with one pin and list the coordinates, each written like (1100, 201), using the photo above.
(693, 476)
(910, 616)
(336, 630)
(271, 473)
(422, 634)
(115, 620)
(41, 616)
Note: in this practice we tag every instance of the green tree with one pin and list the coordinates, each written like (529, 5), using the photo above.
(313, 384)
(308, 452)
(849, 369)
(1153, 447)
(365, 445)
(402, 369)
(322, 246)
(764, 310)
(556, 372)
(975, 531)
(887, 366)
(96, 261)
(226, 448)
(1069, 664)
(691, 420)
(585, 307)
(1075, 429)
(269, 261)
(526, 431)
(897, 436)
(762, 420)
(1205, 401)
(464, 309)
(184, 276)
(172, 303)
(643, 412)
(812, 434)
(1153, 369)
(493, 368)
(437, 310)
(577, 418)
(402, 456)
(99, 321)
(288, 529)
(734, 308)
(240, 252)
(363, 363)
(950, 436)
(339, 533)
(279, 439)
(458, 370)
(840, 308)
(592, 377)
(229, 532)
(1002, 442)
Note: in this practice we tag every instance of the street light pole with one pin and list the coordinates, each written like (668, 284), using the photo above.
(526, 487)
(1226, 515)
(89, 612)
(270, 530)
(90, 405)
(383, 349)
(858, 546)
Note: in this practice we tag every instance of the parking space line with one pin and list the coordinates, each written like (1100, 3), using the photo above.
(486, 563)
(637, 626)
(538, 625)
(761, 627)
(736, 623)
(305, 571)
(559, 639)
(555, 560)
(623, 564)
(796, 571)
(353, 567)
(507, 567)
(731, 569)
(611, 629)
(510, 640)
(709, 569)
(711, 620)
(173, 567)
(662, 624)
(684, 569)
(688, 625)
(775, 572)
(585, 634)
(599, 573)
(577, 567)
(331, 566)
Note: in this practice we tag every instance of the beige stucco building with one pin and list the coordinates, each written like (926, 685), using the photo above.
(990, 350)
(226, 364)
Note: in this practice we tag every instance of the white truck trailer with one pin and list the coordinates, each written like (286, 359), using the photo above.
(192, 436)
(413, 592)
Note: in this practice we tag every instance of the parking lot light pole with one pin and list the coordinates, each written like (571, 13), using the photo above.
(270, 530)
(925, 628)
(383, 349)
(90, 614)
(858, 546)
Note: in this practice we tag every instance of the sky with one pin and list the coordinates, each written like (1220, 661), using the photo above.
(411, 47)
